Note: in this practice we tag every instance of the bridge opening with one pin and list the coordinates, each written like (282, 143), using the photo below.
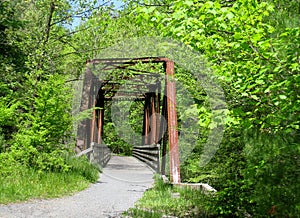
(148, 83)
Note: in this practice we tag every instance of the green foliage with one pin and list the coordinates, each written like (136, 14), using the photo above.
(253, 174)
(9, 52)
(23, 184)
(116, 144)
(8, 164)
(253, 49)
(224, 173)
(81, 166)
(6, 112)
(35, 101)
(7, 119)
(237, 42)
(163, 199)
(43, 127)
(47, 120)
(2, 141)
(20, 181)
(272, 171)
(135, 212)
(286, 14)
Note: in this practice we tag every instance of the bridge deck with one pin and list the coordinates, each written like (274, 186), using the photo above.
(122, 183)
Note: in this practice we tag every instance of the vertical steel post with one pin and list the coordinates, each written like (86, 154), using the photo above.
(92, 104)
(100, 126)
(153, 120)
(144, 124)
(146, 121)
(93, 123)
(90, 126)
(164, 135)
(172, 123)
(147, 136)
(83, 127)
(157, 111)
(100, 116)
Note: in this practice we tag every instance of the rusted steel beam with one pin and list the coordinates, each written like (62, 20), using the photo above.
(92, 103)
(147, 136)
(89, 121)
(146, 121)
(95, 94)
(153, 120)
(124, 98)
(152, 107)
(157, 111)
(113, 61)
(93, 125)
(100, 124)
(164, 135)
(82, 132)
(172, 123)
(100, 103)
(144, 125)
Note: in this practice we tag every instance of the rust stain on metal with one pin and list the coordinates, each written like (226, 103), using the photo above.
(172, 123)
(108, 88)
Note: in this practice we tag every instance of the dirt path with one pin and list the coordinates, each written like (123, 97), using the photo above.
(122, 183)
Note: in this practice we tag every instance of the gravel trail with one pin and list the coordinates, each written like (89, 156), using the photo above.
(122, 183)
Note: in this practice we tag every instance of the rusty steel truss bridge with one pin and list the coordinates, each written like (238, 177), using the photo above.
(163, 133)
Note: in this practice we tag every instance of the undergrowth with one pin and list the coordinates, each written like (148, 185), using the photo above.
(164, 199)
(20, 183)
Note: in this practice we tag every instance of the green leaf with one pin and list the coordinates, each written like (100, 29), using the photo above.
(282, 97)
(230, 15)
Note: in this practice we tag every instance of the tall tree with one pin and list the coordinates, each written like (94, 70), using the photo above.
(256, 58)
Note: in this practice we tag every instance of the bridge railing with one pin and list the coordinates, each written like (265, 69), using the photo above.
(148, 154)
(101, 154)
(98, 154)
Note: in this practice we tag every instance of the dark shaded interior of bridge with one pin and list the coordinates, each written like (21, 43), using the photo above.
(98, 89)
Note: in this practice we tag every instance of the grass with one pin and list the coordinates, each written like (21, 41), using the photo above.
(164, 199)
(24, 183)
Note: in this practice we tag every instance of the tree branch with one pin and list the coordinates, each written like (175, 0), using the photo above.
(48, 27)
(73, 80)
(150, 5)
(73, 32)
(78, 52)
(79, 13)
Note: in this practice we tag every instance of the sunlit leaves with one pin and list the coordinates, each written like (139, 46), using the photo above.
(253, 47)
